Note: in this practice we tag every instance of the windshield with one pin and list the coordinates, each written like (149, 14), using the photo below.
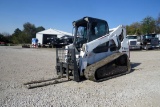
(97, 29)
(86, 31)
(80, 36)
(81, 33)
(148, 36)
(132, 37)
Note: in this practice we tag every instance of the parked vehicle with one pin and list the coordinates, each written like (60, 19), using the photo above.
(148, 41)
(98, 55)
(158, 36)
(66, 40)
(52, 41)
(34, 42)
(60, 42)
(133, 44)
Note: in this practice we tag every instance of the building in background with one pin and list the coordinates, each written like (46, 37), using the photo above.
(43, 35)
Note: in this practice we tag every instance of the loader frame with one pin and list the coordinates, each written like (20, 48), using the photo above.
(66, 64)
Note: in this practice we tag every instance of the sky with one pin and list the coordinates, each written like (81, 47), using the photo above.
(59, 14)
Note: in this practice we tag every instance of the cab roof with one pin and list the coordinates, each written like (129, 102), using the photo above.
(87, 19)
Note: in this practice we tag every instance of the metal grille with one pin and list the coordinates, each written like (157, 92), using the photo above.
(61, 54)
(133, 43)
(154, 41)
(65, 55)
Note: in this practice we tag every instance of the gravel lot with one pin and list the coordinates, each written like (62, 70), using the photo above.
(141, 88)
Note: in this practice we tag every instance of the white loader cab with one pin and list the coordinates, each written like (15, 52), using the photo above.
(132, 41)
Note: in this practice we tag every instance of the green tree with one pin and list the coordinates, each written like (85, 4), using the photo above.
(40, 28)
(23, 38)
(16, 36)
(17, 31)
(5, 37)
(134, 29)
(1, 38)
(29, 30)
(148, 25)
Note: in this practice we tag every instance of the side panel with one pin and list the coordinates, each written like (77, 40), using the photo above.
(125, 47)
(88, 57)
(40, 38)
(113, 35)
(124, 44)
(158, 36)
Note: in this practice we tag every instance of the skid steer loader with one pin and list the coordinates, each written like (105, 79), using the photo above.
(97, 53)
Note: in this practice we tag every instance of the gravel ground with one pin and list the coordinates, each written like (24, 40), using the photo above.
(141, 88)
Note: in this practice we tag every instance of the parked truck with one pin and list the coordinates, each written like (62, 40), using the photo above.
(158, 36)
(132, 41)
(148, 41)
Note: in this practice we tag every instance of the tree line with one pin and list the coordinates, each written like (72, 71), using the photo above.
(146, 26)
(22, 36)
